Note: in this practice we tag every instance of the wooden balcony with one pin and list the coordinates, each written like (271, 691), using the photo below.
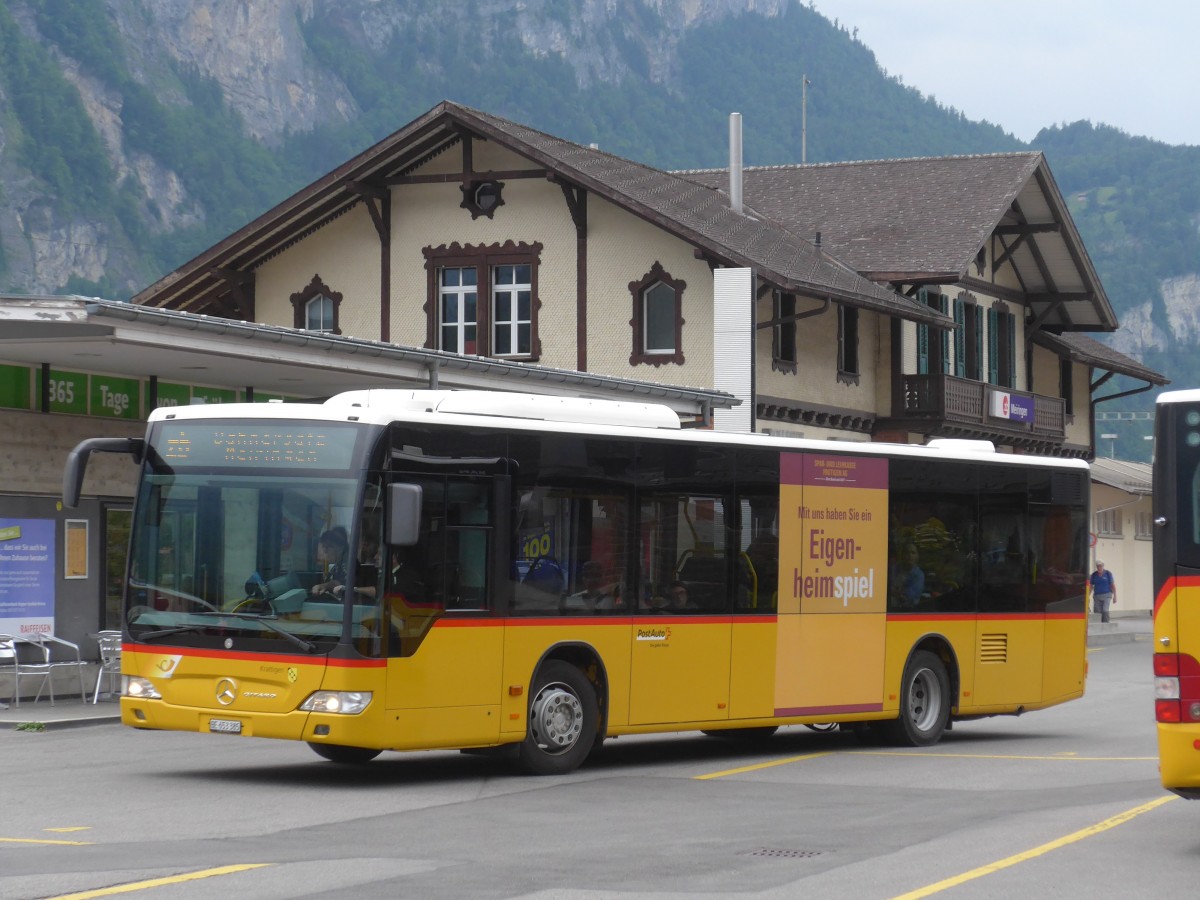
(949, 405)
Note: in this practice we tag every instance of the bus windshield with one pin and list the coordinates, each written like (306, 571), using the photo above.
(232, 555)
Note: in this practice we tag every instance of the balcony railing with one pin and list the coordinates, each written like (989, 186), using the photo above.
(969, 406)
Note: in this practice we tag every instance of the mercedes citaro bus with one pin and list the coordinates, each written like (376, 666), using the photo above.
(541, 574)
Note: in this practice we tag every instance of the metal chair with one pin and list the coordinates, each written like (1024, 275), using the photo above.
(110, 662)
(14, 660)
(57, 653)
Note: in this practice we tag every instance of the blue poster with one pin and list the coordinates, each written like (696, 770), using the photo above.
(26, 575)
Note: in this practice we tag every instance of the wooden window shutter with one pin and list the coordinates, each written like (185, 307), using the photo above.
(1011, 322)
(923, 337)
(977, 315)
(960, 335)
(993, 344)
(943, 306)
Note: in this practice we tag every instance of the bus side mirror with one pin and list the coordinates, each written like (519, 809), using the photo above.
(77, 461)
(404, 515)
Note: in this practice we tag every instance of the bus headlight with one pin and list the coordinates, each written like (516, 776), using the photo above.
(142, 688)
(347, 703)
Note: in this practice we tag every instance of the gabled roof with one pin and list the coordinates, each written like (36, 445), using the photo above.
(694, 212)
(925, 220)
(1090, 352)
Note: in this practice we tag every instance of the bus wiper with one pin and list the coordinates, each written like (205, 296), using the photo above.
(304, 645)
(165, 632)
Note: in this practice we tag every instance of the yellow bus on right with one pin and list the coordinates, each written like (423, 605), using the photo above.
(1177, 590)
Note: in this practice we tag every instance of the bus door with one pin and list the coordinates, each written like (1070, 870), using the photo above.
(682, 630)
(444, 641)
(832, 585)
(1010, 636)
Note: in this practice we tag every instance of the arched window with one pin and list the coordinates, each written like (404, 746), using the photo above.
(318, 313)
(657, 318)
(316, 308)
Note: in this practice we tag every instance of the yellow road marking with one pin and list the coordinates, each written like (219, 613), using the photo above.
(1066, 756)
(1090, 831)
(70, 828)
(757, 766)
(1003, 756)
(159, 882)
(4, 840)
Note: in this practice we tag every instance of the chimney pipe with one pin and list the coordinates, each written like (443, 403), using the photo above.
(735, 162)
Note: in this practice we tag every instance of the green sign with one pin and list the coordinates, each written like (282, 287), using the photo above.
(68, 392)
(14, 387)
(115, 398)
(170, 394)
(213, 395)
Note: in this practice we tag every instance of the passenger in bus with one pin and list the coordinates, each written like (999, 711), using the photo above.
(332, 548)
(366, 587)
(673, 600)
(404, 576)
(679, 597)
(595, 594)
(912, 578)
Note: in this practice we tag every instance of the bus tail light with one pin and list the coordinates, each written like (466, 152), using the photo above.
(1176, 688)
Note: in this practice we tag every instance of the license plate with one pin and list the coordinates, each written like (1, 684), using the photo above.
(225, 726)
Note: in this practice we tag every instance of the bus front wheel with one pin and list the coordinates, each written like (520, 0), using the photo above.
(924, 701)
(343, 755)
(563, 721)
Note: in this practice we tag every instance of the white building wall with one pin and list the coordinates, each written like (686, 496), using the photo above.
(345, 256)
(622, 249)
(1129, 558)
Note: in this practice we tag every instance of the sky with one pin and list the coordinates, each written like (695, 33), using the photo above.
(1028, 64)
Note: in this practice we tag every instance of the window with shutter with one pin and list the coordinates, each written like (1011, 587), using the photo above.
(923, 338)
(993, 344)
(960, 343)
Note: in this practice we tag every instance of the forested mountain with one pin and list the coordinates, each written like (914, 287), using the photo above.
(134, 135)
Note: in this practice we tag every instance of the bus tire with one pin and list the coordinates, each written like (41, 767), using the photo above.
(564, 717)
(343, 755)
(924, 702)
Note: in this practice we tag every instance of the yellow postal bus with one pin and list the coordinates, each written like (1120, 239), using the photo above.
(403, 570)
(1177, 589)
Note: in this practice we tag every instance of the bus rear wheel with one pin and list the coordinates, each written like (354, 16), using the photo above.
(924, 701)
(343, 755)
(563, 721)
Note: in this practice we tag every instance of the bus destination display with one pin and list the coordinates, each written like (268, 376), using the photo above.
(303, 446)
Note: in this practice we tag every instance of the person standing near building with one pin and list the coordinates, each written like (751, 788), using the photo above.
(1104, 590)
